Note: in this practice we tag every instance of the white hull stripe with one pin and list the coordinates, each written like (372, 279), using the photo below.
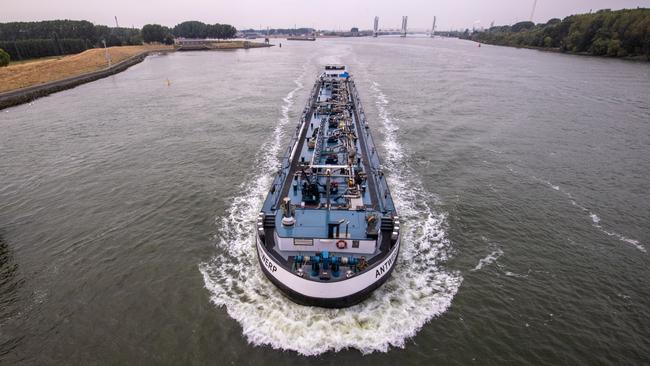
(327, 290)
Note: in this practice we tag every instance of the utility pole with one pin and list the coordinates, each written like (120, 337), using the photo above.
(117, 25)
(107, 56)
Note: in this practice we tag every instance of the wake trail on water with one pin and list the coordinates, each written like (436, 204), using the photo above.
(492, 258)
(595, 219)
(418, 290)
(488, 259)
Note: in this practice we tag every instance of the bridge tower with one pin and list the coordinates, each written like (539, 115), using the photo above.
(433, 27)
(376, 27)
(404, 25)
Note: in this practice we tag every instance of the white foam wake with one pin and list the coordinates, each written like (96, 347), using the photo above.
(489, 259)
(512, 274)
(417, 291)
(596, 223)
(595, 219)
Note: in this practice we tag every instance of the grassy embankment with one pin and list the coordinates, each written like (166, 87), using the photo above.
(34, 72)
(39, 71)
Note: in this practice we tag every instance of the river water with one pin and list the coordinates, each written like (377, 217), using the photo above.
(126, 208)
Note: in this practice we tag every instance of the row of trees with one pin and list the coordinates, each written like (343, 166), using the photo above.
(42, 30)
(196, 29)
(189, 29)
(618, 33)
(157, 33)
(35, 48)
(117, 36)
(23, 40)
(68, 29)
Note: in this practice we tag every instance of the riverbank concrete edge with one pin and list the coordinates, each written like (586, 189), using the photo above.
(31, 93)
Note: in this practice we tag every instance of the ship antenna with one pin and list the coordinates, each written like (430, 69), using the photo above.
(532, 13)
(328, 185)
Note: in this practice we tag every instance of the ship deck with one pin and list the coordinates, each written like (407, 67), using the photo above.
(311, 221)
(286, 257)
(329, 206)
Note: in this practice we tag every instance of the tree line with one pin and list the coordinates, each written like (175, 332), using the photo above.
(620, 33)
(188, 29)
(68, 29)
(34, 48)
(195, 29)
(25, 40)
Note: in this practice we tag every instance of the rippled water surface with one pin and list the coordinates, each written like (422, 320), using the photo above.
(126, 206)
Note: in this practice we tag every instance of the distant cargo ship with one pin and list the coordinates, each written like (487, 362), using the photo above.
(301, 38)
(328, 233)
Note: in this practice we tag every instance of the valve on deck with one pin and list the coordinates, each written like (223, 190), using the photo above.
(287, 212)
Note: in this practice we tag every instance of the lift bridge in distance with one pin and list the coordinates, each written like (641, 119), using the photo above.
(403, 31)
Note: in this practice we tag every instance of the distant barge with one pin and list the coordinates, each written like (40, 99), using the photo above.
(301, 38)
(328, 233)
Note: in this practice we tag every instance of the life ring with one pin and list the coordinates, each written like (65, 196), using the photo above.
(341, 244)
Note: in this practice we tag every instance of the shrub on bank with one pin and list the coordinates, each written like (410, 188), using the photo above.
(4, 58)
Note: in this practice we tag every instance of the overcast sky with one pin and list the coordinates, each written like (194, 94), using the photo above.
(327, 14)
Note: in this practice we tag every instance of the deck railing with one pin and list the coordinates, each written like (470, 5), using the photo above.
(383, 192)
(285, 160)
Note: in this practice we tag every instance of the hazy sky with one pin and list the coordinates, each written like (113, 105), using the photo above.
(342, 14)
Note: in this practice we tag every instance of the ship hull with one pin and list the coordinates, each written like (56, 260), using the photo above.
(339, 294)
(328, 233)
